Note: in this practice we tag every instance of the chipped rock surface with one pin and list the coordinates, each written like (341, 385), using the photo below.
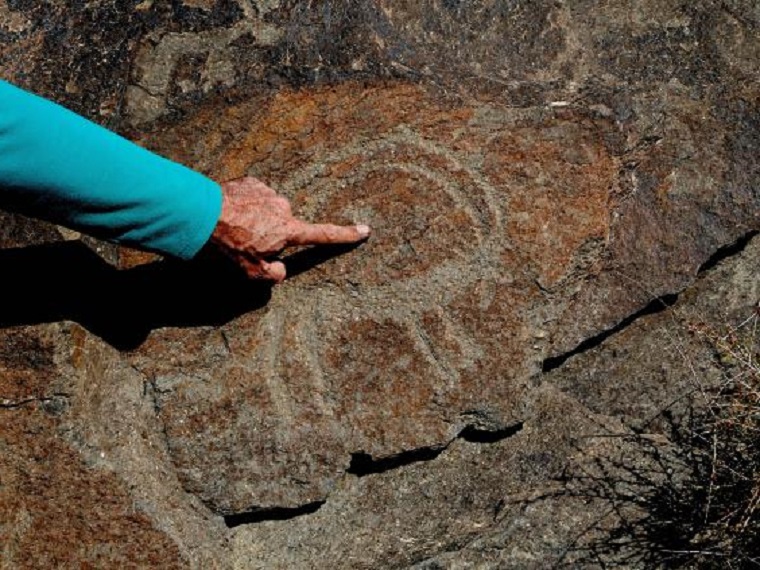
(550, 185)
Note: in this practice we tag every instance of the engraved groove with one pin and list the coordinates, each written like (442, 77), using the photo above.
(446, 185)
(378, 301)
(403, 136)
(426, 347)
(157, 60)
(309, 329)
(272, 328)
(469, 351)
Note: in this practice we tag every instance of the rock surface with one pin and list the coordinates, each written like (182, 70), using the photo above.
(540, 176)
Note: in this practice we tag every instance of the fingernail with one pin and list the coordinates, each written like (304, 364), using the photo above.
(363, 230)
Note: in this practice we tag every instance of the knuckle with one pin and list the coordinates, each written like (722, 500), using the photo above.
(281, 202)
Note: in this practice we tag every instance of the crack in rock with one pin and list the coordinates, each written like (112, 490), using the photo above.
(151, 391)
(727, 251)
(362, 464)
(474, 434)
(655, 306)
(272, 514)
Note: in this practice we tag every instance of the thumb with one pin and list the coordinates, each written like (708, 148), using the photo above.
(274, 271)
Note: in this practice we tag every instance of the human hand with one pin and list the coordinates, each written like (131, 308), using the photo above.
(256, 223)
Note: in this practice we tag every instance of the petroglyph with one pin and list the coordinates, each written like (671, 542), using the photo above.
(271, 331)
(423, 324)
(403, 136)
(443, 366)
(309, 339)
(529, 168)
(156, 62)
(424, 292)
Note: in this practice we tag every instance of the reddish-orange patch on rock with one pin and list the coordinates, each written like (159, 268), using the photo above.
(56, 512)
(400, 342)
(296, 125)
(26, 364)
(560, 179)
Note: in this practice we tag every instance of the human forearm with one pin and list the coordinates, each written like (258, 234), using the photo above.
(58, 166)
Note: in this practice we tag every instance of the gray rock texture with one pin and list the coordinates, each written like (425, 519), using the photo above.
(564, 197)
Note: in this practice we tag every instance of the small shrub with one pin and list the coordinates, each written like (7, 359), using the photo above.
(693, 502)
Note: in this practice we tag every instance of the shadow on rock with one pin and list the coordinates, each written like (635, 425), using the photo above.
(68, 281)
(689, 501)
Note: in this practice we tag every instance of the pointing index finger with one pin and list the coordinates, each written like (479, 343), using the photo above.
(320, 234)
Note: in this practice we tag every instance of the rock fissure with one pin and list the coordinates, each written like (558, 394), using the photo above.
(653, 307)
(151, 391)
(362, 464)
(657, 305)
(474, 434)
(271, 514)
(727, 251)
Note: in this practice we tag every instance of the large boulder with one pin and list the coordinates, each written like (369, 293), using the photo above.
(538, 175)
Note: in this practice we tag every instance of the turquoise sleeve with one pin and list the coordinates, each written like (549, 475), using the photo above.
(57, 166)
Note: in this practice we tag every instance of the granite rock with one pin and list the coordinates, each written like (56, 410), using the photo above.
(540, 177)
